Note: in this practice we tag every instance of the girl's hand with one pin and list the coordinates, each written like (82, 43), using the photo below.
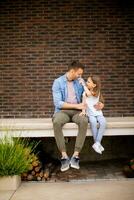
(83, 113)
(81, 81)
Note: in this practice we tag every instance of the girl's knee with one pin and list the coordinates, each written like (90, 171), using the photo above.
(102, 120)
(93, 124)
(93, 121)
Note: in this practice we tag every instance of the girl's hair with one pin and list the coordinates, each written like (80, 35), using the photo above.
(97, 90)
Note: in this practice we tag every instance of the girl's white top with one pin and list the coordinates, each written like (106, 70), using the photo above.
(91, 101)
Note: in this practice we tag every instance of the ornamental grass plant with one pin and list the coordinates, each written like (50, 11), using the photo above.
(16, 155)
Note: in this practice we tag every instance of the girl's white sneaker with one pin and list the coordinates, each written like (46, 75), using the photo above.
(96, 147)
(101, 147)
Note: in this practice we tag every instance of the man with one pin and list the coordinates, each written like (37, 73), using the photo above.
(67, 97)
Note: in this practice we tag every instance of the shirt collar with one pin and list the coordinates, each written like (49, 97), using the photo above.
(65, 78)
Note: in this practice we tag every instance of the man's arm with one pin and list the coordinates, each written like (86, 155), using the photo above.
(79, 106)
(57, 95)
(100, 104)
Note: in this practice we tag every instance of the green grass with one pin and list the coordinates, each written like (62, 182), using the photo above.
(16, 155)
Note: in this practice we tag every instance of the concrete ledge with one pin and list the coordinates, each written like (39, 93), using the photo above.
(42, 127)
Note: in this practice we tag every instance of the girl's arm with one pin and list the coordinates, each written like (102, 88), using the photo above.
(84, 102)
(87, 91)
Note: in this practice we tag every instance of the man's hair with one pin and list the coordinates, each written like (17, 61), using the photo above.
(76, 65)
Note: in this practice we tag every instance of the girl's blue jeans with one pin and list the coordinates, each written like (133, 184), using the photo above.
(97, 132)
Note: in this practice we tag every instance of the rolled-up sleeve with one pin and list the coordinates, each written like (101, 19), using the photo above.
(57, 95)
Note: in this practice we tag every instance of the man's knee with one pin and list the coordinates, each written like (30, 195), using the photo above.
(56, 122)
(60, 119)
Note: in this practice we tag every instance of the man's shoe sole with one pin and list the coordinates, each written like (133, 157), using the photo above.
(73, 166)
(65, 169)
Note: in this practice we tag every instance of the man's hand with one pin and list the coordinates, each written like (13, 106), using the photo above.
(80, 106)
(99, 106)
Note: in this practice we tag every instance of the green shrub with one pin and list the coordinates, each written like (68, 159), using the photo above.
(129, 169)
(16, 155)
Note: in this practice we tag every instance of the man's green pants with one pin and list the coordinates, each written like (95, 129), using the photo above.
(63, 117)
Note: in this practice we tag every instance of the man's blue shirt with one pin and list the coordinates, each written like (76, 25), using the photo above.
(60, 93)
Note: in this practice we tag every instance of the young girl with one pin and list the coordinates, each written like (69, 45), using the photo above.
(91, 97)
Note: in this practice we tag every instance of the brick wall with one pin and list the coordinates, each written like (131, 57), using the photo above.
(39, 38)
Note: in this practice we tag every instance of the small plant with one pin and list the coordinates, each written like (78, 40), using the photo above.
(16, 155)
(129, 169)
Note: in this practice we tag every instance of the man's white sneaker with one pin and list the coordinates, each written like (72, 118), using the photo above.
(96, 147)
(65, 164)
(74, 162)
